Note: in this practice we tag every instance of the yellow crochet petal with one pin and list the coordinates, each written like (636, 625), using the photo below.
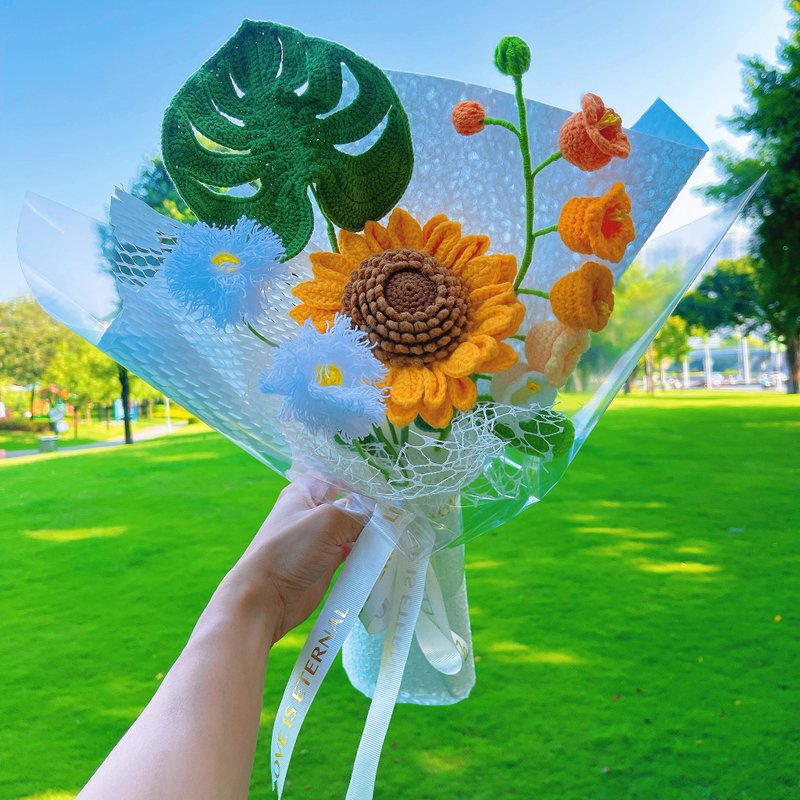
(488, 345)
(462, 362)
(463, 251)
(404, 230)
(407, 386)
(399, 416)
(332, 275)
(481, 271)
(506, 357)
(572, 224)
(335, 262)
(438, 416)
(507, 264)
(463, 393)
(324, 295)
(495, 294)
(354, 247)
(499, 321)
(444, 236)
(435, 392)
(377, 237)
(321, 319)
(430, 226)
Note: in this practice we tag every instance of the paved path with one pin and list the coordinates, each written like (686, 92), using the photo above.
(153, 432)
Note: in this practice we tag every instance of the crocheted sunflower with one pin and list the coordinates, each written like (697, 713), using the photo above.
(435, 306)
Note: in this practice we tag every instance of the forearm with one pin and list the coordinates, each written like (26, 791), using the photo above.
(196, 739)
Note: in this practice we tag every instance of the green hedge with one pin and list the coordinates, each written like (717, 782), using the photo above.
(24, 424)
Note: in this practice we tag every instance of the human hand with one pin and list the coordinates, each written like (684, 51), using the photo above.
(290, 563)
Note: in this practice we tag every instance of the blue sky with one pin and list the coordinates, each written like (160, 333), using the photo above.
(83, 84)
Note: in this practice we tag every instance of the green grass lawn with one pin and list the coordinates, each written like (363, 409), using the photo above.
(637, 633)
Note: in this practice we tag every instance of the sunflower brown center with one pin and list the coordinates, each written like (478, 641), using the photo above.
(413, 309)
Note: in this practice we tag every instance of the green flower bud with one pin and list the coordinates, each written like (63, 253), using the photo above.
(512, 56)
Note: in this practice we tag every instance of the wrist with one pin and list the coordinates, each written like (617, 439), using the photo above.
(249, 602)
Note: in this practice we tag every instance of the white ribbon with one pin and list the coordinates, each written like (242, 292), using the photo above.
(375, 614)
(396, 593)
(338, 615)
(403, 614)
(445, 650)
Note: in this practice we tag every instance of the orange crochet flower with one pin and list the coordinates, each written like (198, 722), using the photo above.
(553, 349)
(584, 298)
(600, 226)
(434, 305)
(468, 118)
(590, 138)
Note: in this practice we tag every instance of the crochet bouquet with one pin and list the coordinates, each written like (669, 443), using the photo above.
(402, 283)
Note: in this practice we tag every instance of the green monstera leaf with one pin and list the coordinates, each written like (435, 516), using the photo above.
(266, 121)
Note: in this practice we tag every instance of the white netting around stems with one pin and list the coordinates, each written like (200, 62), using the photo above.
(430, 464)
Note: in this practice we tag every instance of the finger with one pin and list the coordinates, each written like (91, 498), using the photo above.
(335, 526)
(307, 492)
(320, 489)
(355, 505)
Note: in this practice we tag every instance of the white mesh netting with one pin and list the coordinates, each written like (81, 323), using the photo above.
(430, 464)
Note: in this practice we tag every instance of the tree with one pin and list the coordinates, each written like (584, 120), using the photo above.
(728, 297)
(770, 116)
(28, 341)
(155, 187)
(638, 297)
(85, 372)
(671, 345)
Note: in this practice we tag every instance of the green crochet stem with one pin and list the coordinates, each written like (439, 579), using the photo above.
(525, 147)
(503, 123)
(360, 450)
(549, 160)
(531, 239)
(535, 292)
(381, 436)
(331, 230)
(259, 335)
(332, 236)
(528, 174)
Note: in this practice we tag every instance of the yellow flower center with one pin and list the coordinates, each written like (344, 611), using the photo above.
(574, 352)
(533, 386)
(617, 215)
(329, 375)
(221, 259)
(603, 308)
(609, 118)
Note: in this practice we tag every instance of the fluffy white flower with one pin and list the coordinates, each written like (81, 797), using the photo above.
(220, 273)
(328, 380)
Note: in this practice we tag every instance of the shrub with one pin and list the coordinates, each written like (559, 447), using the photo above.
(24, 424)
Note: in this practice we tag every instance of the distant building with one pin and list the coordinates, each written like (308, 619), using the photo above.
(736, 244)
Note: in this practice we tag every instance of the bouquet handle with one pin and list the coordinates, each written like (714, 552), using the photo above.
(334, 623)
(415, 604)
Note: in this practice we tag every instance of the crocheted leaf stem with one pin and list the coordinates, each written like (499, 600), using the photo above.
(266, 116)
(525, 147)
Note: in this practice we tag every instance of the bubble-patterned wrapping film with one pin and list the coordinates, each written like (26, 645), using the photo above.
(103, 280)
